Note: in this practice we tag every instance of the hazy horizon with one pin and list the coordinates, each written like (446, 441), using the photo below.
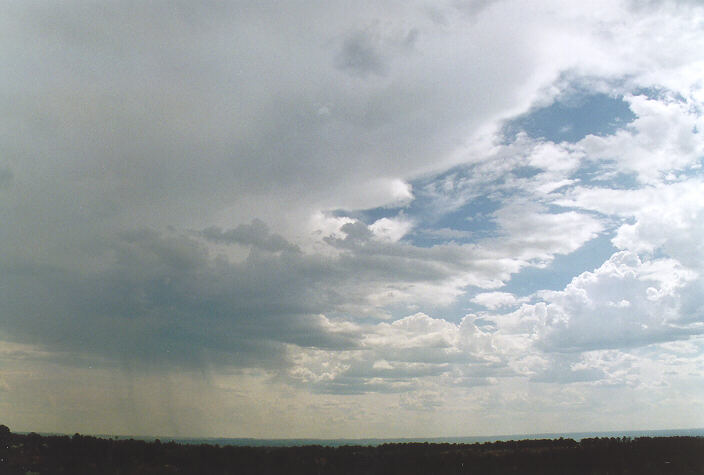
(351, 219)
(257, 441)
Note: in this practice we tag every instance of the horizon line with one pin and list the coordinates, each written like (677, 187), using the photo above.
(478, 438)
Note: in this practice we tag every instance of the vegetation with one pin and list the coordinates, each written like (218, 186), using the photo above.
(33, 453)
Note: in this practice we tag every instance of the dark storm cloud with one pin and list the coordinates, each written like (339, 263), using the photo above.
(6, 177)
(360, 55)
(160, 298)
(164, 301)
(255, 234)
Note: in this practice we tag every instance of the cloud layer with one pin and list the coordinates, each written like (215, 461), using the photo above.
(328, 206)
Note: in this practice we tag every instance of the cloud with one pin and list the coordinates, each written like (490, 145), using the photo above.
(165, 301)
(255, 234)
(447, 233)
(534, 235)
(249, 189)
(659, 143)
(662, 217)
(6, 177)
(164, 298)
(390, 229)
(360, 56)
(563, 371)
(624, 303)
(494, 300)
(404, 355)
(182, 132)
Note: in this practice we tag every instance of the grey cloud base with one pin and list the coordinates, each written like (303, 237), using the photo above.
(163, 301)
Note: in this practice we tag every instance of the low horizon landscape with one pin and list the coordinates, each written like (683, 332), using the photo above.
(373, 441)
(33, 453)
(352, 220)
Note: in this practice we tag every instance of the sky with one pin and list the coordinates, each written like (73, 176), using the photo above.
(351, 218)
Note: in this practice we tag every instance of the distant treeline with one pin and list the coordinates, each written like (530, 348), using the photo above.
(78, 454)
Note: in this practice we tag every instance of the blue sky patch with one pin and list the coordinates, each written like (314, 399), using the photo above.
(572, 118)
(562, 269)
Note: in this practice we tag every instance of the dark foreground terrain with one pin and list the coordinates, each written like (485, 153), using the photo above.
(33, 453)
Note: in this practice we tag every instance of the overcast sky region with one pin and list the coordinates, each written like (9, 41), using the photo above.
(350, 218)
